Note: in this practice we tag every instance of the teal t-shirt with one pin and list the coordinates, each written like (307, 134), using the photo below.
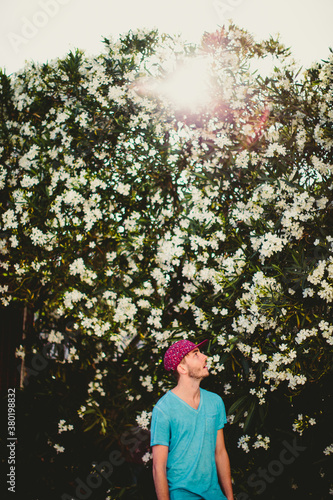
(191, 438)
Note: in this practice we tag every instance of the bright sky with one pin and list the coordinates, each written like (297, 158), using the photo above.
(41, 30)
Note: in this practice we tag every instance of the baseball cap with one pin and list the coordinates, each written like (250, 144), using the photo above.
(178, 351)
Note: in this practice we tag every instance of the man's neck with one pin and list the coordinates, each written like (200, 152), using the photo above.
(188, 390)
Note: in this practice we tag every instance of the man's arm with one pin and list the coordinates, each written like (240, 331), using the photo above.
(223, 465)
(160, 457)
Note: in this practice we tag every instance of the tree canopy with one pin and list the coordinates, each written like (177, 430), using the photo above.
(129, 221)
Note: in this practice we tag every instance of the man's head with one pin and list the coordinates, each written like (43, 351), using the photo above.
(184, 357)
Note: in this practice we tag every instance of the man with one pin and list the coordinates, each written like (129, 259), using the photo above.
(190, 461)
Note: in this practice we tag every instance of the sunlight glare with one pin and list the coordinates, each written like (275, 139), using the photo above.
(188, 87)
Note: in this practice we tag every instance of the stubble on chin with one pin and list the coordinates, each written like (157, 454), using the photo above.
(198, 374)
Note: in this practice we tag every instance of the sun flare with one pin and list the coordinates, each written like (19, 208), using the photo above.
(187, 87)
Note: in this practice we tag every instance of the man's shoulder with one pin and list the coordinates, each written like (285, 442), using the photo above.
(163, 402)
(211, 397)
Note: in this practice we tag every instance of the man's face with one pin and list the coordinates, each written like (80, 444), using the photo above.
(195, 362)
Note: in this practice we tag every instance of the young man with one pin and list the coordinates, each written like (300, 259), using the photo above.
(190, 461)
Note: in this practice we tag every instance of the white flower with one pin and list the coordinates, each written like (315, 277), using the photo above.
(9, 220)
(275, 148)
(39, 238)
(252, 376)
(230, 418)
(20, 352)
(70, 298)
(108, 295)
(123, 189)
(117, 94)
(304, 334)
(146, 382)
(146, 457)
(268, 244)
(262, 442)
(328, 450)
(55, 337)
(143, 420)
(155, 318)
(14, 241)
(78, 268)
(227, 388)
(321, 166)
(243, 443)
(125, 310)
(3, 173)
(58, 448)
(81, 411)
(28, 182)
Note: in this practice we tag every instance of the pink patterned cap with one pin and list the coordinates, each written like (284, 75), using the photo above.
(178, 351)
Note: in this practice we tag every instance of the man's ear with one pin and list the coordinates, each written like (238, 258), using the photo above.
(181, 368)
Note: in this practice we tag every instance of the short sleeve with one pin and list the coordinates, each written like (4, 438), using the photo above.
(160, 428)
(222, 420)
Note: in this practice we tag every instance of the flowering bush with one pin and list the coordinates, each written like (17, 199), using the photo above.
(128, 223)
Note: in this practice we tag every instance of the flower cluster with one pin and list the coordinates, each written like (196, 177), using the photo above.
(328, 450)
(63, 427)
(302, 422)
(143, 420)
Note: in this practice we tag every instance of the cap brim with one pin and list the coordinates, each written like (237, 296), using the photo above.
(204, 342)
